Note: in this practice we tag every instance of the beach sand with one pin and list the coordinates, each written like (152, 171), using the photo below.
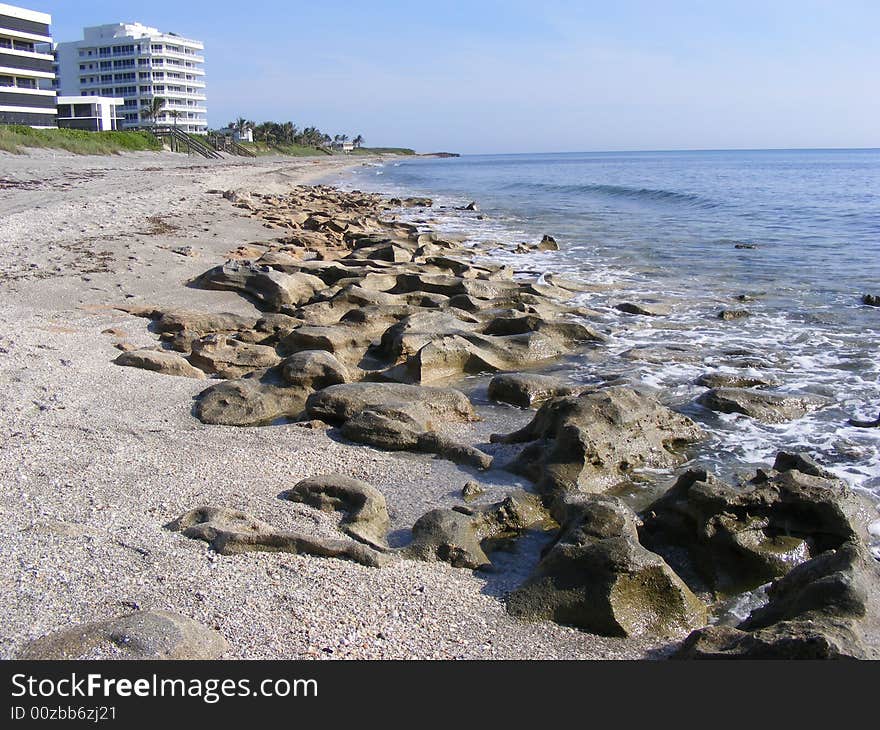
(96, 458)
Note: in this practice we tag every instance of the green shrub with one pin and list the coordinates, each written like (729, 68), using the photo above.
(79, 142)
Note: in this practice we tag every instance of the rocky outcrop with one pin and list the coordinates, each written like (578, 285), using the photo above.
(825, 608)
(364, 512)
(457, 536)
(144, 635)
(159, 361)
(598, 577)
(340, 403)
(762, 406)
(273, 290)
(735, 538)
(231, 532)
(593, 441)
(871, 300)
(231, 358)
(646, 308)
(865, 424)
(527, 390)
(179, 327)
(257, 399)
(735, 380)
(447, 536)
(314, 369)
(407, 427)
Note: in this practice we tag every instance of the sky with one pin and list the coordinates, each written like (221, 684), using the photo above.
(492, 76)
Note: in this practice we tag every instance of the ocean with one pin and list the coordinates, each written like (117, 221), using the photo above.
(793, 237)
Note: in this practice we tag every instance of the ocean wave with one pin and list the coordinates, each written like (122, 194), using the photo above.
(619, 191)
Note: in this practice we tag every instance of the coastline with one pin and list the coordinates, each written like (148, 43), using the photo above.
(144, 424)
(100, 457)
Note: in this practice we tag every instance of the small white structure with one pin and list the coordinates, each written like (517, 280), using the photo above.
(93, 113)
(343, 146)
(238, 135)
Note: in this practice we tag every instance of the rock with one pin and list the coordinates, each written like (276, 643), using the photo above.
(406, 427)
(314, 369)
(435, 443)
(185, 251)
(764, 407)
(457, 537)
(231, 358)
(447, 536)
(592, 441)
(804, 463)
(736, 538)
(159, 361)
(230, 532)
(340, 403)
(257, 399)
(348, 338)
(648, 309)
(548, 243)
(745, 246)
(144, 635)
(729, 380)
(365, 514)
(865, 424)
(416, 203)
(730, 314)
(826, 608)
(871, 300)
(431, 346)
(471, 491)
(179, 327)
(597, 577)
(273, 290)
(526, 389)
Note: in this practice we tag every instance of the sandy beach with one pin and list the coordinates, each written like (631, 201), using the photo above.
(97, 458)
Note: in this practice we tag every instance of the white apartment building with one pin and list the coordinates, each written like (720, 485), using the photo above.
(27, 95)
(138, 64)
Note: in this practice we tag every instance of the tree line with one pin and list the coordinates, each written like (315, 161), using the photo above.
(289, 133)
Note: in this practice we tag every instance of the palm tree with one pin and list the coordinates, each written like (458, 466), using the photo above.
(153, 109)
(288, 132)
(358, 141)
(175, 115)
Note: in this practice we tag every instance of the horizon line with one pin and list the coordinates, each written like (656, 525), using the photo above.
(641, 151)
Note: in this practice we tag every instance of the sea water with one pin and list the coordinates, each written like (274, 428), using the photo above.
(796, 233)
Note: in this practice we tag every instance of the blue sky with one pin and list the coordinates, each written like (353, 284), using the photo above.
(491, 76)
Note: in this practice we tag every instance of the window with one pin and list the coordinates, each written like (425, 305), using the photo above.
(7, 81)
